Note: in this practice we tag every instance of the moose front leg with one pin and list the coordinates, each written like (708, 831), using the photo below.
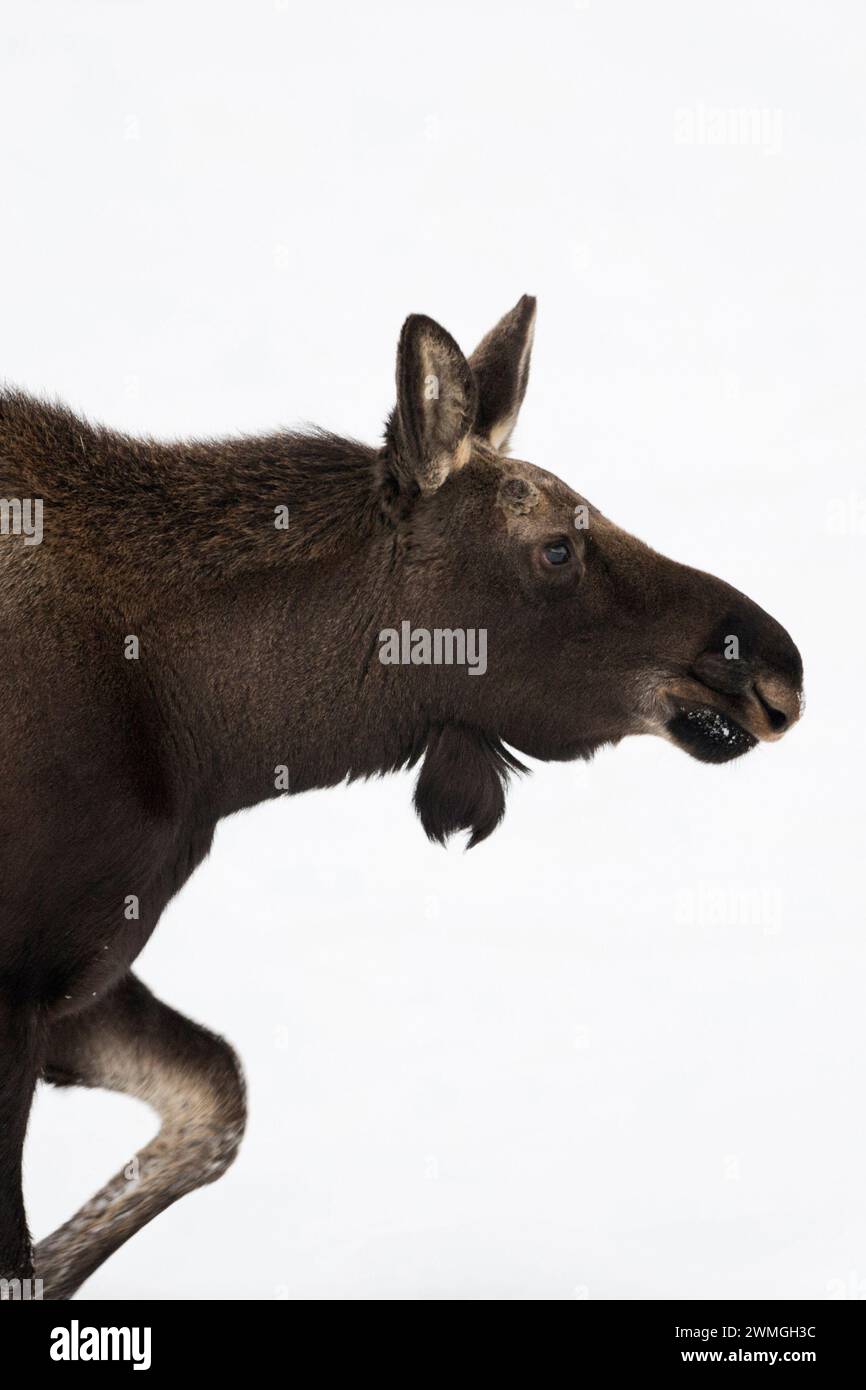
(131, 1042)
(20, 1061)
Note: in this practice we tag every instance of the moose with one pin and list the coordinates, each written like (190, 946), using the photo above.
(199, 629)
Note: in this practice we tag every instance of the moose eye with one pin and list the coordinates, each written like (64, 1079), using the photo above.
(557, 552)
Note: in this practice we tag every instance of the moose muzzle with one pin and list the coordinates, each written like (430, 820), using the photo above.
(744, 687)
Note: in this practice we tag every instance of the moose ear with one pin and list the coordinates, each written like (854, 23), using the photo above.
(436, 400)
(500, 365)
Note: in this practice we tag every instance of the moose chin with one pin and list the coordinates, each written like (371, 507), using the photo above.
(200, 628)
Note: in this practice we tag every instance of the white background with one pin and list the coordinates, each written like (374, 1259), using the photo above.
(554, 1067)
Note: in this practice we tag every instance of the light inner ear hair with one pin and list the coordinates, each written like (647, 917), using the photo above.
(445, 464)
(500, 434)
(463, 452)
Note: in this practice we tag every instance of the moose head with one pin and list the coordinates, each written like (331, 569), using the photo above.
(589, 635)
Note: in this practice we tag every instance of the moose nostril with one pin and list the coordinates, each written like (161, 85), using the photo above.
(777, 718)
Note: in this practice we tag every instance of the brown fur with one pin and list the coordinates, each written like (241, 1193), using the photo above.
(259, 649)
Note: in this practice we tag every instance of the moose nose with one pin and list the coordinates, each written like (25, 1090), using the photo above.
(767, 702)
(781, 702)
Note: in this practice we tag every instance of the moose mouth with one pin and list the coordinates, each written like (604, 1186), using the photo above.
(709, 735)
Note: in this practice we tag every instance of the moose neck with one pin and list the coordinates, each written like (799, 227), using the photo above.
(283, 688)
(271, 661)
(254, 574)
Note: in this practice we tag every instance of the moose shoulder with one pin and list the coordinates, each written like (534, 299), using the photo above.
(195, 627)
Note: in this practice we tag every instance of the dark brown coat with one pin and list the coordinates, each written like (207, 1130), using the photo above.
(172, 652)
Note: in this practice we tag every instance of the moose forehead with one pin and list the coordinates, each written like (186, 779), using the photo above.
(531, 498)
(535, 503)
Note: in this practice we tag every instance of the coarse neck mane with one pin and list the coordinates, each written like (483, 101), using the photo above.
(211, 505)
